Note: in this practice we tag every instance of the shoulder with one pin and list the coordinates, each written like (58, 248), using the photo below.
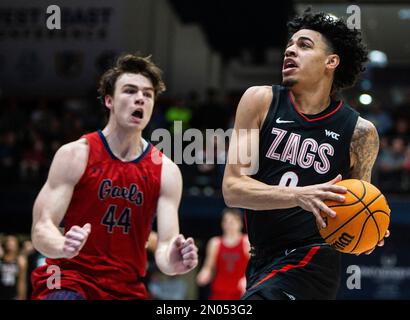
(254, 105)
(258, 95)
(169, 167)
(76, 150)
(70, 161)
(214, 243)
(364, 131)
(364, 148)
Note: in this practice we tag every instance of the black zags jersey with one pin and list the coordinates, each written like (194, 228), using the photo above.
(298, 150)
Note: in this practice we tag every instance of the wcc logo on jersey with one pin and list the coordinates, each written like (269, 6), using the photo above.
(332, 134)
(132, 194)
(304, 153)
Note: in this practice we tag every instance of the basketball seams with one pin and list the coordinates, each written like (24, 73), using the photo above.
(364, 208)
(366, 204)
(361, 232)
(359, 200)
(377, 226)
(354, 195)
(375, 221)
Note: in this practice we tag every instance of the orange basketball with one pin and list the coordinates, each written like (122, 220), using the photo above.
(361, 221)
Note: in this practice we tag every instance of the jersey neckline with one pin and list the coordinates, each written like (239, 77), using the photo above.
(309, 119)
(112, 155)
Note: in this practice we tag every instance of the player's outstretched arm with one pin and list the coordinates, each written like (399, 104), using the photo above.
(241, 190)
(53, 200)
(174, 254)
(363, 153)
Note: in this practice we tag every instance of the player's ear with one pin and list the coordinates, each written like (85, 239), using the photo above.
(108, 100)
(332, 61)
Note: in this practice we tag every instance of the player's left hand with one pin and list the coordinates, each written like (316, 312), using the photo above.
(183, 255)
(380, 244)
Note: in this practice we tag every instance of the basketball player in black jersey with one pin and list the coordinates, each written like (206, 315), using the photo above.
(308, 141)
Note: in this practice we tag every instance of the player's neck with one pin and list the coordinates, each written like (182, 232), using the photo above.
(311, 100)
(125, 144)
(10, 256)
(232, 238)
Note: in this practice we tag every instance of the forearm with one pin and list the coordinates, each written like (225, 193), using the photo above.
(48, 240)
(248, 193)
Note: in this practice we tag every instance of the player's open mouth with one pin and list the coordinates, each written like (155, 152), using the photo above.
(289, 64)
(139, 114)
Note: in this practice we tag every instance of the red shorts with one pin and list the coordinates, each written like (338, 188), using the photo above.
(91, 287)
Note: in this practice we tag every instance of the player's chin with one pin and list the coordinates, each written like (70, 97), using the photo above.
(289, 81)
(139, 125)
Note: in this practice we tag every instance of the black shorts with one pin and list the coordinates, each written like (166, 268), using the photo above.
(308, 272)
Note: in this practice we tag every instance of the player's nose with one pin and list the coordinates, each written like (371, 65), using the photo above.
(139, 98)
(290, 51)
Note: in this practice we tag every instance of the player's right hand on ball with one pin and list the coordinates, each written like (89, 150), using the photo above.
(75, 239)
(311, 198)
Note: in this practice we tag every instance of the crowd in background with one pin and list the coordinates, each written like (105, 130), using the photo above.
(32, 130)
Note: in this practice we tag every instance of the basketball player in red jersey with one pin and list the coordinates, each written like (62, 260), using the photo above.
(226, 259)
(106, 188)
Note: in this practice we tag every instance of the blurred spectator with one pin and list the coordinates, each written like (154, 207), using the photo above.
(401, 129)
(8, 155)
(380, 118)
(34, 260)
(406, 168)
(33, 162)
(390, 166)
(13, 268)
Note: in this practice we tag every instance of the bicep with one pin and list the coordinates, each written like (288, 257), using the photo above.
(55, 196)
(364, 149)
(244, 143)
(168, 201)
(52, 202)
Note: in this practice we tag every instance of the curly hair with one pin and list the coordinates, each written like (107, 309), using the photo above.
(130, 63)
(343, 41)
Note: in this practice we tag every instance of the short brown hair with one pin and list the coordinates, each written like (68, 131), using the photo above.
(233, 211)
(131, 63)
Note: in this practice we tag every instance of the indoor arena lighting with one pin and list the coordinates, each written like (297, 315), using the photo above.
(365, 99)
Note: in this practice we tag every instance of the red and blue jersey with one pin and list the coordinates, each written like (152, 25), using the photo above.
(119, 200)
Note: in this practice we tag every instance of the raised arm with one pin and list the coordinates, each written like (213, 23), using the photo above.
(240, 190)
(53, 200)
(174, 255)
